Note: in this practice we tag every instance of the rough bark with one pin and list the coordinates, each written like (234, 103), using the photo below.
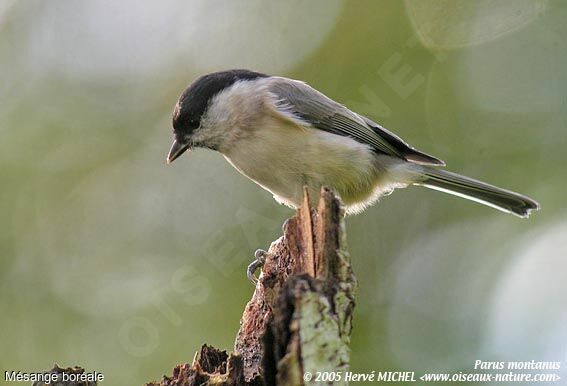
(300, 316)
(56, 374)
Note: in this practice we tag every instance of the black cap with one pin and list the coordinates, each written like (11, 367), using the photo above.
(194, 101)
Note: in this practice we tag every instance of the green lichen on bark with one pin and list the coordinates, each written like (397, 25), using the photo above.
(322, 347)
(299, 319)
(315, 308)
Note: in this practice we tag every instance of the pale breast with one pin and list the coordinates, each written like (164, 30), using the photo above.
(282, 159)
(282, 153)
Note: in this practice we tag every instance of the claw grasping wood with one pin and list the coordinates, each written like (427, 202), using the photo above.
(300, 316)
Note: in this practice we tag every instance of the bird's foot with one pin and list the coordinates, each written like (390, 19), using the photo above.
(259, 260)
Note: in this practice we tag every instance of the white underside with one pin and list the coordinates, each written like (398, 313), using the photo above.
(281, 153)
(282, 161)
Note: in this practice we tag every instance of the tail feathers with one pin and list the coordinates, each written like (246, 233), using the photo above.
(481, 192)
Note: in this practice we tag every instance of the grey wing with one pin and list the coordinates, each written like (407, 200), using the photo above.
(325, 114)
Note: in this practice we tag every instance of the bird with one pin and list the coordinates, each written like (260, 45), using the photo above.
(285, 135)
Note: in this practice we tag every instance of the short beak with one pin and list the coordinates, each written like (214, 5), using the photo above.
(176, 150)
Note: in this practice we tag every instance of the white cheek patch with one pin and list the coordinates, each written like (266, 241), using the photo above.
(231, 113)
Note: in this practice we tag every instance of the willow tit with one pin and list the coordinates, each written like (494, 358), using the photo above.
(283, 135)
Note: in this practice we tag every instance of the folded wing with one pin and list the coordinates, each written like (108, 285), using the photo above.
(325, 114)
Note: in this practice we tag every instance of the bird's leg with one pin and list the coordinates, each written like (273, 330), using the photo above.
(259, 260)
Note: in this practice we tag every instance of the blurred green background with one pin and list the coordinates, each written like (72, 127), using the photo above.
(112, 260)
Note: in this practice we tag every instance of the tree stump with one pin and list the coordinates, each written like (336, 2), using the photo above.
(299, 319)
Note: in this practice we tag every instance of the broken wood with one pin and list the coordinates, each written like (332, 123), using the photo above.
(299, 319)
(70, 376)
